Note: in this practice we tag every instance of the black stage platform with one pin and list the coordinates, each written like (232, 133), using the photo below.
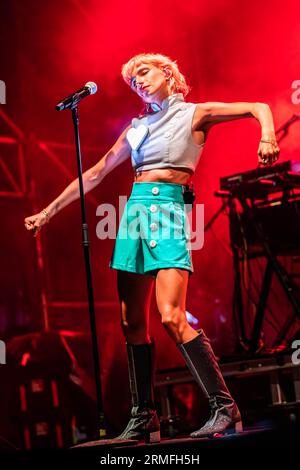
(233, 451)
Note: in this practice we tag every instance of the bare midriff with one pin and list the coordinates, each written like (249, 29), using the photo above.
(164, 175)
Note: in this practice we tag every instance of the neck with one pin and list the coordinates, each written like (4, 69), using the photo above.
(163, 94)
(169, 100)
(160, 99)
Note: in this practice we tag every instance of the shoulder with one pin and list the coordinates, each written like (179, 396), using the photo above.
(201, 115)
(199, 109)
(199, 112)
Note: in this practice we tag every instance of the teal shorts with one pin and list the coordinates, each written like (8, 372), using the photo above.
(154, 230)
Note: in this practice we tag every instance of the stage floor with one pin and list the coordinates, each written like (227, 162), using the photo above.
(274, 444)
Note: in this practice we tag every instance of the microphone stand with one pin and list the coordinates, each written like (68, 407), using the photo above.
(86, 246)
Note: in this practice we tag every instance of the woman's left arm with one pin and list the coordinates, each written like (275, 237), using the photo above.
(211, 113)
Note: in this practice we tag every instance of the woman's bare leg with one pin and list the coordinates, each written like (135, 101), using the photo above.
(135, 296)
(171, 289)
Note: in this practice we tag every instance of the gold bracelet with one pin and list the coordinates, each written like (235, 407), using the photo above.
(46, 214)
(272, 142)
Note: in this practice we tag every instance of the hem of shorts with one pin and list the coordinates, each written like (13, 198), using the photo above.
(125, 267)
(153, 267)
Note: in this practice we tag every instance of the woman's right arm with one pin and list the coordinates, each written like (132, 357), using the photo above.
(118, 153)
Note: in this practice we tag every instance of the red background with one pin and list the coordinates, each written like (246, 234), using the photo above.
(228, 50)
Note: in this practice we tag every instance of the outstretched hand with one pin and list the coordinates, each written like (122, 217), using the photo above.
(35, 222)
(268, 152)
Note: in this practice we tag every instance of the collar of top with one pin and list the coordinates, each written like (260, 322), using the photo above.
(171, 100)
(168, 102)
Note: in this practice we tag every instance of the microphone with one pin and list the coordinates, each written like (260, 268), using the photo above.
(70, 101)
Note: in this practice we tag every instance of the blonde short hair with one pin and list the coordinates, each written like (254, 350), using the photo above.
(177, 81)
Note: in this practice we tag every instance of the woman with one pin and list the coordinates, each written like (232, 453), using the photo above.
(165, 144)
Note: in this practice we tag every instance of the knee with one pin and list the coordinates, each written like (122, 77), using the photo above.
(132, 327)
(173, 318)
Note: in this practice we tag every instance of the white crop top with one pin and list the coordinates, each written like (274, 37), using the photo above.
(164, 139)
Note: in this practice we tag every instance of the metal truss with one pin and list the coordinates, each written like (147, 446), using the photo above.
(21, 186)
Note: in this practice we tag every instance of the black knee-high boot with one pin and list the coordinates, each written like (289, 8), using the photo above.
(203, 365)
(144, 423)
